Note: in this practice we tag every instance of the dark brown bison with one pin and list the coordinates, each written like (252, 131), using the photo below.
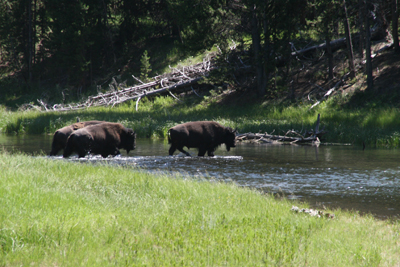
(104, 139)
(61, 135)
(204, 135)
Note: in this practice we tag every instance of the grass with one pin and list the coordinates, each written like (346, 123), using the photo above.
(375, 126)
(55, 212)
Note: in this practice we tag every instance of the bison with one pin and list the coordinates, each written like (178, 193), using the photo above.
(204, 135)
(61, 135)
(104, 139)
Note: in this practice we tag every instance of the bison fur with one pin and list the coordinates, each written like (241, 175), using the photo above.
(104, 139)
(61, 135)
(206, 136)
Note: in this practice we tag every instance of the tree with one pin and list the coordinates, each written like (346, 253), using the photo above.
(348, 41)
(272, 25)
(327, 10)
(68, 42)
(329, 53)
(395, 25)
(361, 29)
(259, 59)
(199, 24)
(370, 79)
(132, 13)
(145, 67)
(16, 34)
(30, 46)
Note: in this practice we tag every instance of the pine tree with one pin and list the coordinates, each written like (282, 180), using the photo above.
(145, 67)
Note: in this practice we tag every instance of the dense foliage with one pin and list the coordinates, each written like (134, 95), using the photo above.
(58, 44)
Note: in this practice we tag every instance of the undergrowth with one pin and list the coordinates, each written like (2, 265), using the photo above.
(378, 126)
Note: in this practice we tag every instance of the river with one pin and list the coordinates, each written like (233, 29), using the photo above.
(344, 177)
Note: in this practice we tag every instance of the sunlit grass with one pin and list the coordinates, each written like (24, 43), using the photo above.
(378, 126)
(56, 212)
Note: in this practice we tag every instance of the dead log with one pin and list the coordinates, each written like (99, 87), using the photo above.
(177, 79)
(312, 138)
(335, 44)
(159, 91)
(330, 91)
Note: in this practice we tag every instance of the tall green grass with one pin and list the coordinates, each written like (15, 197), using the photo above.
(377, 126)
(59, 213)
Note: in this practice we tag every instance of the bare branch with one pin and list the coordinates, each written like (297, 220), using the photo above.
(177, 79)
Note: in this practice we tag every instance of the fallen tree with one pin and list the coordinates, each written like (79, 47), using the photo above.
(311, 137)
(335, 44)
(177, 79)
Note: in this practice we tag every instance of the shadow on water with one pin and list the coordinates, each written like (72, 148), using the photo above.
(334, 176)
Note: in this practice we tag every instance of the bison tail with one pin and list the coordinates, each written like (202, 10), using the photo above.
(55, 145)
(54, 149)
(169, 137)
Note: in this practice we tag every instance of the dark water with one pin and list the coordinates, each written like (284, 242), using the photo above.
(334, 176)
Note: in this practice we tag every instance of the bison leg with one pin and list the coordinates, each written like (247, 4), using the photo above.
(69, 149)
(113, 153)
(172, 150)
(81, 152)
(202, 152)
(57, 144)
(67, 152)
(54, 150)
(210, 151)
(183, 151)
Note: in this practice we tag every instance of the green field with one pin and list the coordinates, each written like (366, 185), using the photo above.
(59, 213)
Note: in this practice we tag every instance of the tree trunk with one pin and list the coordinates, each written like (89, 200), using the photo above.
(329, 51)
(108, 33)
(395, 26)
(34, 31)
(370, 79)
(256, 39)
(361, 15)
(348, 41)
(30, 41)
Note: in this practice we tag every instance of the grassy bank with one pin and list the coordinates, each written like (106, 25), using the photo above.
(59, 213)
(373, 125)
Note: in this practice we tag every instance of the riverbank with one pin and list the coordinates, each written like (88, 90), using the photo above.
(56, 212)
(375, 126)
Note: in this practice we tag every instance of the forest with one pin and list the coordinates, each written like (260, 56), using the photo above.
(268, 68)
(64, 50)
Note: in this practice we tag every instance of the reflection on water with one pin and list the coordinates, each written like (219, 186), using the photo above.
(30, 144)
(336, 176)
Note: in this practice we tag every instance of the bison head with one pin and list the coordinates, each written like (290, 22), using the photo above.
(230, 138)
(130, 140)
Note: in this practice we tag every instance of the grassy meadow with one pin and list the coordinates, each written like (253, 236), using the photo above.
(376, 126)
(60, 213)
